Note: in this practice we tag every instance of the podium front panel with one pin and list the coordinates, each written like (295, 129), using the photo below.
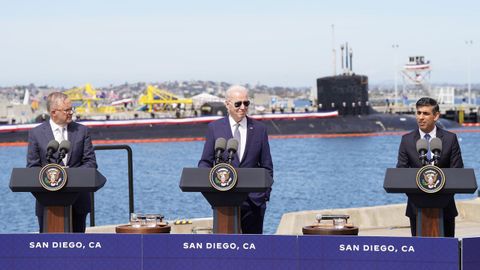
(79, 180)
(403, 180)
(249, 180)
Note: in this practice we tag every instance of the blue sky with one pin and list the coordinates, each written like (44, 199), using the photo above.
(284, 43)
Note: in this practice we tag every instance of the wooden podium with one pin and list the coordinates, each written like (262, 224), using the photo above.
(58, 204)
(429, 205)
(226, 204)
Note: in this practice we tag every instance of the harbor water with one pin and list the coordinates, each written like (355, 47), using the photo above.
(310, 173)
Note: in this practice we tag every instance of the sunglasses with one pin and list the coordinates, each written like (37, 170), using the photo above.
(239, 103)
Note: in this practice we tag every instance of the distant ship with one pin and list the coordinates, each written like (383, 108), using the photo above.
(342, 109)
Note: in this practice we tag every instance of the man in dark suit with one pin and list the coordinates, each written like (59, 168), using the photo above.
(60, 127)
(428, 112)
(253, 152)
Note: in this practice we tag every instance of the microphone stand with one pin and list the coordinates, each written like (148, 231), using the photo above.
(218, 158)
(61, 156)
(49, 157)
(231, 156)
(436, 157)
(423, 158)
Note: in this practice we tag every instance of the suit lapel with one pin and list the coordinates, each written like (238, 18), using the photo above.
(48, 136)
(439, 134)
(226, 128)
(71, 139)
(416, 137)
(226, 132)
(47, 131)
(250, 133)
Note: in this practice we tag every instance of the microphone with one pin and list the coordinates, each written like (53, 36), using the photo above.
(52, 148)
(63, 149)
(436, 148)
(232, 147)
(220, 145)
(422, 148)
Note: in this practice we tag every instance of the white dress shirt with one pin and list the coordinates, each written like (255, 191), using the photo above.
(58, 135)
(433, 134)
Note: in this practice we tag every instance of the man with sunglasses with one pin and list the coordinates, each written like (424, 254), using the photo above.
(253, 152)
(61, 127)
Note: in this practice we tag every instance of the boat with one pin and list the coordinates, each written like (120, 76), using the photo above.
(417, 63)
(342, 108)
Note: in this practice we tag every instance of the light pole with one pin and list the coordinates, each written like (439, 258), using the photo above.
(395, 71)
(334, 53)
(469, 44)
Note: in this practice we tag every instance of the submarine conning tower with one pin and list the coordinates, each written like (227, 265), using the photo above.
(346, 93)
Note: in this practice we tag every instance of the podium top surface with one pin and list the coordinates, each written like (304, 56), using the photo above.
(79, 180)
(249, 180)
(403, 180)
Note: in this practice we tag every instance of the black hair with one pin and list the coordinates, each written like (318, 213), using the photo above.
(426, 101)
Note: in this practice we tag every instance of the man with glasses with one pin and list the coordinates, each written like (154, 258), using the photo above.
(253, 152)
(61, 127)
(428, 113)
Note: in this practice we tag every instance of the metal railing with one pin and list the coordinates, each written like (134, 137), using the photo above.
(130, 178)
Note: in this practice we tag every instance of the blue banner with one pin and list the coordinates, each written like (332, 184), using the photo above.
(215, 252)
(471, 253)
(392, 253)
(70, 251)
(242, 252)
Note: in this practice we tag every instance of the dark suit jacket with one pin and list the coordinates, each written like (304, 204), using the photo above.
(451, 157)
(256, 155)
(81, 155)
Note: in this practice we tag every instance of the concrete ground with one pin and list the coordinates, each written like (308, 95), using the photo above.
(385, 220)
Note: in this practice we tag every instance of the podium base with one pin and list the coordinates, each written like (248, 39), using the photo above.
(57, 219)
(430, 222)
(227, 220)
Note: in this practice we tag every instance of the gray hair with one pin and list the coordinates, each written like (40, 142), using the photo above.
(235, 88)
(54, 98)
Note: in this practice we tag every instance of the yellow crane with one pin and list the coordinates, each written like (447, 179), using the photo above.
(87, 95)
(153, 96)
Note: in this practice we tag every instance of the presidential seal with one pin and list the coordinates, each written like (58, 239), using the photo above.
(223, 177)
(430, 179)
(53, 177)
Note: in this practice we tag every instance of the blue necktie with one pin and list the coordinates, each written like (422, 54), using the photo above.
(429, 153)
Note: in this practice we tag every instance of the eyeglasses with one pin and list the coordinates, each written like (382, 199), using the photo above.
(239, 103)
(67, 111)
